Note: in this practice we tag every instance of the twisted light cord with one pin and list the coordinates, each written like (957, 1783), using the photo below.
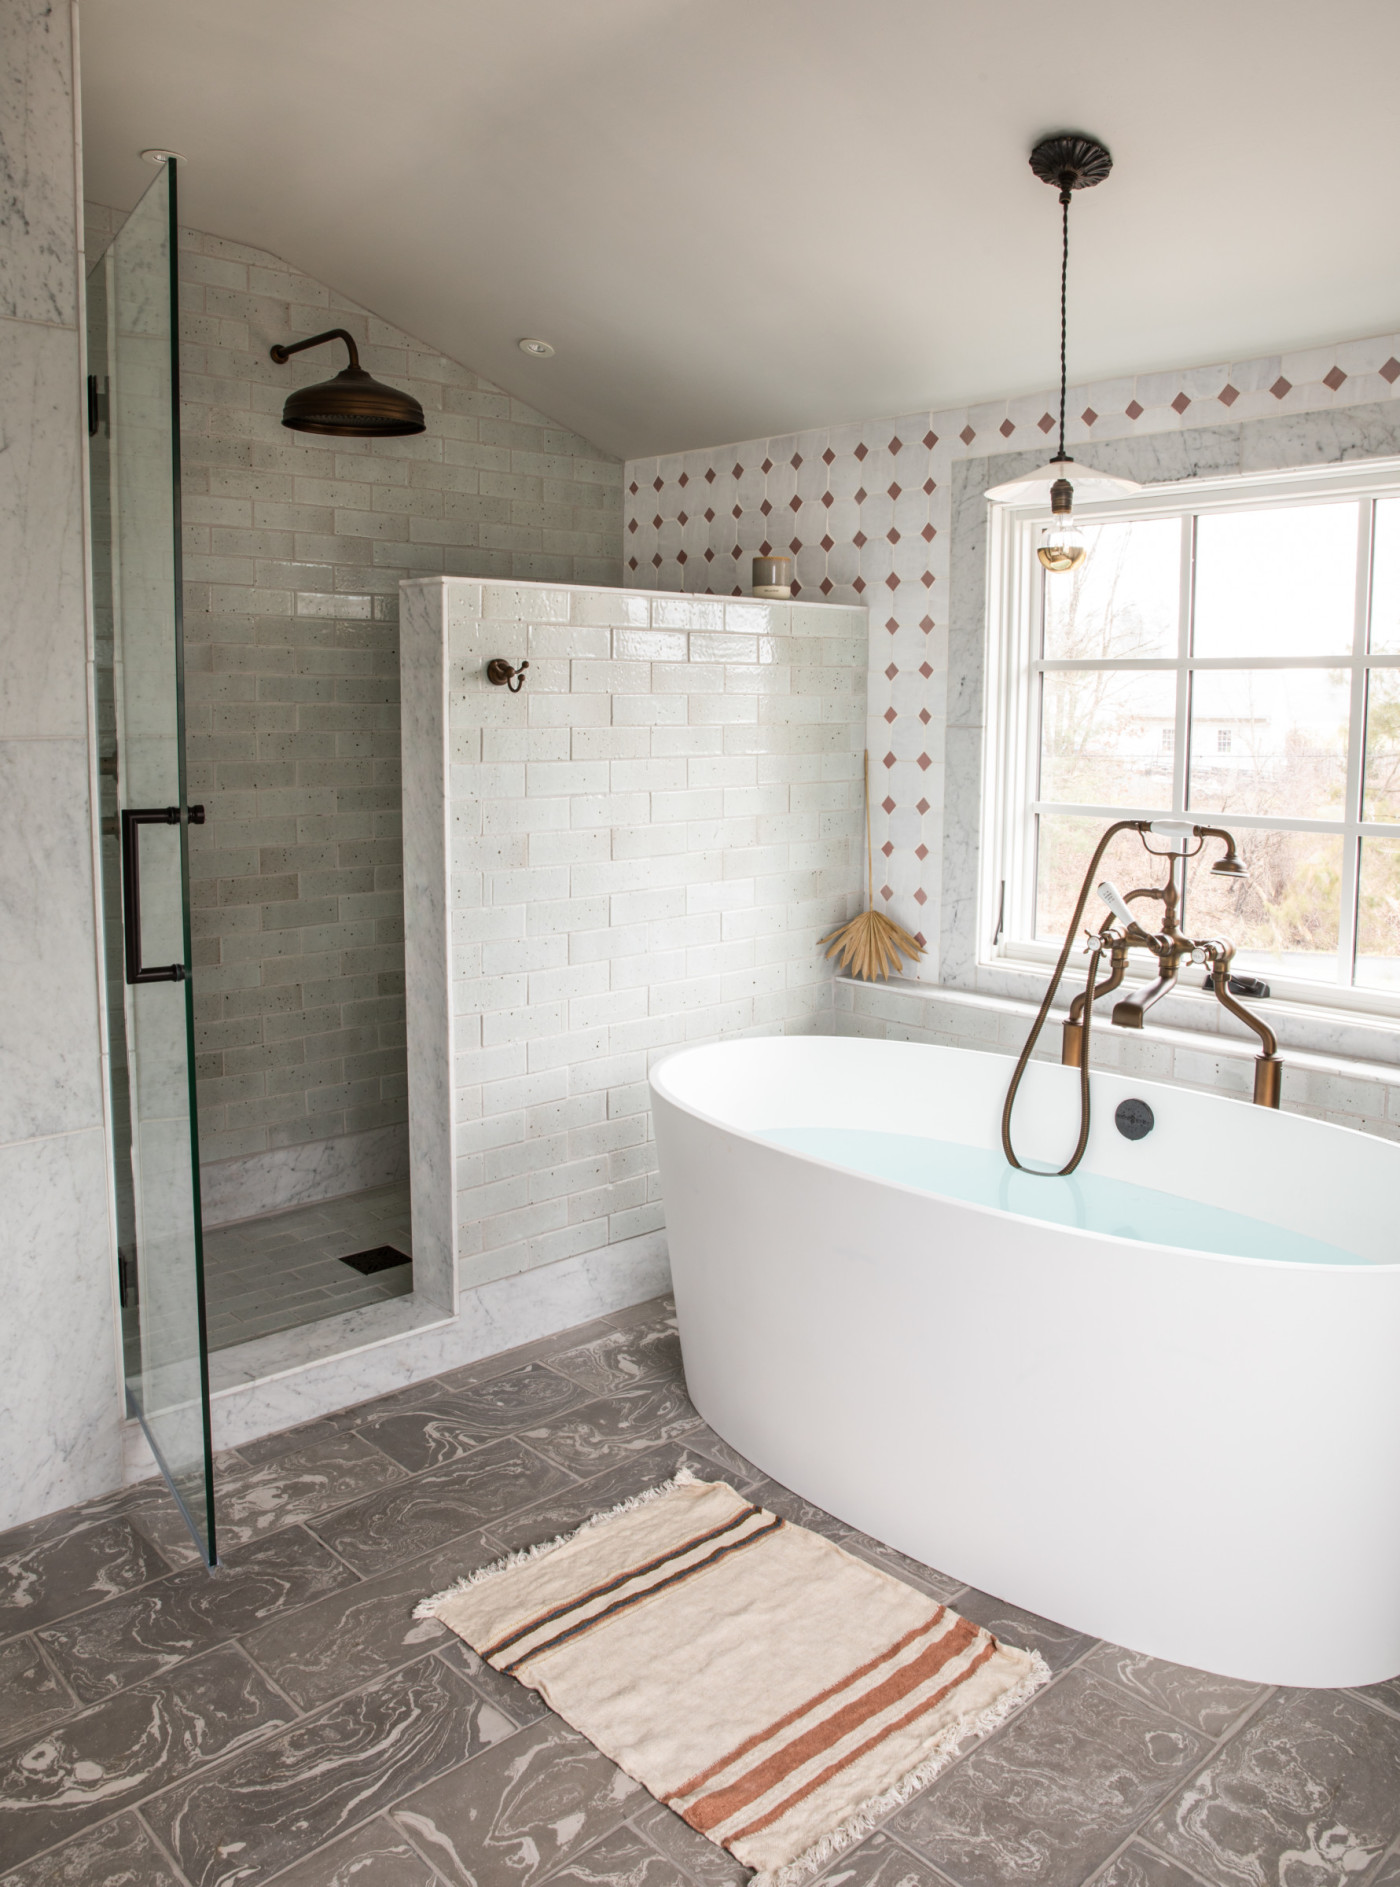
(1064, 301)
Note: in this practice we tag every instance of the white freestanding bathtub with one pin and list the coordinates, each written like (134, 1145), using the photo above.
(1194, 1455)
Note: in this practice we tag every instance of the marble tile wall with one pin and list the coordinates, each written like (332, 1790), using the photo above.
(59, 1408)
(294, 547)
(867, 511)
(638, 851)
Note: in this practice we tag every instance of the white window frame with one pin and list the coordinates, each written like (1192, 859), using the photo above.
(1006, 892)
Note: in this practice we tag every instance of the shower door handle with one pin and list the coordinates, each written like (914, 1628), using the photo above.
(133, 818)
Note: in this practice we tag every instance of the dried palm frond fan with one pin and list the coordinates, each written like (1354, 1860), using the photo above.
(871, 945)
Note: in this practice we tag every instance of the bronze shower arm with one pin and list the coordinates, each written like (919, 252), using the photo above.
(280, 353)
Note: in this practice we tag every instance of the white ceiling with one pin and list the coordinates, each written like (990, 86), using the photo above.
(742, 217)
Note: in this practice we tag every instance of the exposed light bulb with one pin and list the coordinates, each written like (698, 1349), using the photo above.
(1062, 545)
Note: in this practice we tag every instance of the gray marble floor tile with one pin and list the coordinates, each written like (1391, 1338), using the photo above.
(733, 1467)
(487, 1367)
(699, 1858)
(116, 1753)
(602, 1434)
(643, 1352)
(147, 1632)
(360, 1413)
(507, 1693)
(31, 1693)
(912, 1571)
(1048, 1799)
(325, 1775)
(291, 1441)
(1141, 1866)
(1308, 1790)
(1206, 1702)
(777, 1499)
(290, 1489)
(562, 1512)
(422, 1433)
(663, 1306)
(1057, 1644)
(376, 1855)
(879, 1861)
(47, 1572)
(520, 1811)
(414, 1518)
(1388, 1873)
(621, 1859)
(1387, 1695)
(117, 1853)
(516, 1399)
(356, 1635)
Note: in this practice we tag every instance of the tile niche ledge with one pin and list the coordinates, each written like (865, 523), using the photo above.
(1350, 1091)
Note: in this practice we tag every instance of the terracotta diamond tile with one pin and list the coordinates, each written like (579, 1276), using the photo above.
(929, 487)
(1228, 394)
(736, 552)
(709, 556)
(680, 556)
(925, 670)
(892, 491)
(681, 518)
(1180, 403)
(709, 517)
(1133, 410)
(928, 533)
(796, 587)
(885, 892)
(1333, 379)
(891, 672)
(859, 586)
(1281, 388)
(889, 759)
(736, 591)
(1006, 428)
(737, 512)
(921, 940)
(922, 806)
(766, 508)
(860, 540)
(828, 500)
(710, 476)
(632, 524)
(795, 545)
(656, 484)
(828, 456)
(796, 461)
(927, 579)
(887, 804)
(921, 896)
(896, 444)
(738, 472)
(656, 561)
(826, 586)
(1391, 371)
(861, 494)
(926, 623)
(967, 435)
(924, 762)
(1088, 415)
(889, 714)
(892, 581)
(1046, 422)
(631, 563)
(887, 849)
(930, 440)
(892, 624)
(925, 716)
(862, 451)
(633, 488)
(794, 503)
(765, 549)
(656, 522)
(828, 543)
(892, 534)
(684, 480)
(921, 852)
(766, 466)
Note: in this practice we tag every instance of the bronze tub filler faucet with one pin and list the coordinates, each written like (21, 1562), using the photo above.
(1122, 932)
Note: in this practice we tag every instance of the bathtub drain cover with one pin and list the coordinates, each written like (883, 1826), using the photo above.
(1134, 1119)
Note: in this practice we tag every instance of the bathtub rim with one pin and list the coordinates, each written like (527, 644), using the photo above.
(1289, 1266)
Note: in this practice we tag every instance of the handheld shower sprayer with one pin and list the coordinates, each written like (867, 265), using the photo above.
(1117, 903)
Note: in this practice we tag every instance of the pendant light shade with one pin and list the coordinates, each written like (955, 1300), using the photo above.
(1069, 162)
(353, 405)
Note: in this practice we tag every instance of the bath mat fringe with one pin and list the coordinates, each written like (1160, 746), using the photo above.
(745, 1526)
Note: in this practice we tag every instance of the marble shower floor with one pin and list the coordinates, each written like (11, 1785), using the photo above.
(283, 1270)
(285, 1719)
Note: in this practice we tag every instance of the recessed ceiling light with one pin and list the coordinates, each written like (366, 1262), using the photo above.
(162, 157)
(540, 349)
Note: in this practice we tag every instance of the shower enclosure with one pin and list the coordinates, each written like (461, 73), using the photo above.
(134, 457)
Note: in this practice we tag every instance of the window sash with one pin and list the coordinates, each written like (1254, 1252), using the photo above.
(1015, 668)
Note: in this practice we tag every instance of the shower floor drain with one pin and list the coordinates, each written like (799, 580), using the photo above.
(382, 1258)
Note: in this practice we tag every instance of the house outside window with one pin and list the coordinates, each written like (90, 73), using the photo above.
(1229, 653)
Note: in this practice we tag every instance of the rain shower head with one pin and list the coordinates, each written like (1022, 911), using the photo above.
(352, 405)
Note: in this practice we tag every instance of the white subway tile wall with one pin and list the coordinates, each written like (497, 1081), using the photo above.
(294, 548)
(646, 844)
(864, 511)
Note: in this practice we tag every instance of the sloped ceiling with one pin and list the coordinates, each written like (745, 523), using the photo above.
(737, 217)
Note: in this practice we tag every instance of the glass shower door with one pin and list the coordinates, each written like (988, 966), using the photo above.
(133, 407)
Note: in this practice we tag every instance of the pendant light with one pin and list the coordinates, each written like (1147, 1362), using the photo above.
(1070, 163)
(351, 406)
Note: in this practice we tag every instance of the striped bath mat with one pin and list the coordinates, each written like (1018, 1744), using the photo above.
(773, 1690)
